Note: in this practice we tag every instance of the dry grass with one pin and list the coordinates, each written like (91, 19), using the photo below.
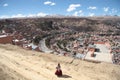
(19, 64)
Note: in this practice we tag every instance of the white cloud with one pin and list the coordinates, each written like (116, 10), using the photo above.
(78, 13)
(5, 5)
(40, 14)
(52, 4)
(4, 16)
(114, 10)
(106, 9)
(92, 7)
(49, 3)
(91, 14)
(75, 14)
(73, 7)
(18, 15)
(31, 15)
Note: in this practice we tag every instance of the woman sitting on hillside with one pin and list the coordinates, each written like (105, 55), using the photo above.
(58, 71)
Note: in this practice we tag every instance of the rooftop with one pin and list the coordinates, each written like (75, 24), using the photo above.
(1, 36)
(103, 55)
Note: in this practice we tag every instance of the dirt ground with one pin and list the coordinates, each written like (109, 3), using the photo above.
(19, 64)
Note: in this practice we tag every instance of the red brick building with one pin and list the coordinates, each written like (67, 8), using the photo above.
(5, 39)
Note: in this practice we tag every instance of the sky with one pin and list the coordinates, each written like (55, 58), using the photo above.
(33, 8)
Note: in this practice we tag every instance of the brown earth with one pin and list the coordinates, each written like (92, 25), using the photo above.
(19, 64)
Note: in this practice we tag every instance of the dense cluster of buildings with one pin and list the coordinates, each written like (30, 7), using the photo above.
(87, 46)
(84, 38)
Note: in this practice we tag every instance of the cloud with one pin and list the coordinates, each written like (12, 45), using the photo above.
(75, 14)
(106, 9)
(78, 13)
(40, 14)
(114, 10)
(18, 15)
(91, 14)
(4, 16)
(92, 7)
(31, 15)
(49, 3)
(5, 5)
(73, 7)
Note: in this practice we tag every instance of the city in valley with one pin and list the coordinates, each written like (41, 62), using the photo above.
(92, 39)
(34, 46)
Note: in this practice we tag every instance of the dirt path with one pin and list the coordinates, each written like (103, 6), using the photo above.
(19, 64)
